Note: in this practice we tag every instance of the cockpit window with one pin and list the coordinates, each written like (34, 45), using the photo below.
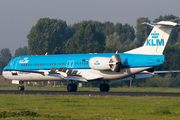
(8, 64)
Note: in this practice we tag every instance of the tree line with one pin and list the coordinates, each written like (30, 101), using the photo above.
(56, 37)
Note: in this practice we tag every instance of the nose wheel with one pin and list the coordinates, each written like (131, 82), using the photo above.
(72, 87)
(21, 88)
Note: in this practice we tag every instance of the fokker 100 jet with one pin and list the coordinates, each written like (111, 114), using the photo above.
(134, 64)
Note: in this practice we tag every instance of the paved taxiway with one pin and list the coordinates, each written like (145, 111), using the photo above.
(88, 93)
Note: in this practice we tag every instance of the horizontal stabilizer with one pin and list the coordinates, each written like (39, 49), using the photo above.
(163, 23)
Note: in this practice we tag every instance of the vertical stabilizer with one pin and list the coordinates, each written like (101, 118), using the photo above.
(157, 39)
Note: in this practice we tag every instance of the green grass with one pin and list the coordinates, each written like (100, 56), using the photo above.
(83, 107)
(89, 107)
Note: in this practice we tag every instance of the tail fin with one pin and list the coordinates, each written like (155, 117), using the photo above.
(157, 39)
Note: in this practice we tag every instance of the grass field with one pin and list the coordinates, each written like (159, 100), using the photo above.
(89, 107)
(83, 107)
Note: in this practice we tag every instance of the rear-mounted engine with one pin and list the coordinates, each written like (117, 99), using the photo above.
(105, 63)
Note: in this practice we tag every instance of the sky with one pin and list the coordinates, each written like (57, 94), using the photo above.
(18, 16)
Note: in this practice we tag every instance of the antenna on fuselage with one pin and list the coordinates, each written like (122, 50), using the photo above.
(46, 53)
(116, 52)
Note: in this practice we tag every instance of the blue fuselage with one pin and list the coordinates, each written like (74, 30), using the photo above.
(80, 61)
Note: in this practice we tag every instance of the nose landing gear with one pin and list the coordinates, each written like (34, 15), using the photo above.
(21, 86)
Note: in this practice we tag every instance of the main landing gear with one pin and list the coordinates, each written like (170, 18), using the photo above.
(104, 87)
(72, 87)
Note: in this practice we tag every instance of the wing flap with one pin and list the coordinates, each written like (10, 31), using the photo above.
(92, 76)
(76, 78)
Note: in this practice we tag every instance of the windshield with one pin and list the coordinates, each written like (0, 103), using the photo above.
(8, 64)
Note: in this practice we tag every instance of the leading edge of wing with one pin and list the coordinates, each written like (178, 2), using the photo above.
(42, 73)
(69, 77)
(170, 71)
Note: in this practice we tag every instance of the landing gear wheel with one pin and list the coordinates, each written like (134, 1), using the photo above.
(72, 87)
(104, 87)
(21, 88)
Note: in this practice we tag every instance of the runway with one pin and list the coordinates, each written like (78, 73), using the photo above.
(89, 93)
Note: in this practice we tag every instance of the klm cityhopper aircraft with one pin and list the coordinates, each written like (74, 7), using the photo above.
(134, 64)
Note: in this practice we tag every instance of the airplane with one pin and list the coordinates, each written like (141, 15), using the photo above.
(134, 64)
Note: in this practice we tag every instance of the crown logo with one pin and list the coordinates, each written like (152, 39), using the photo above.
(154, 35)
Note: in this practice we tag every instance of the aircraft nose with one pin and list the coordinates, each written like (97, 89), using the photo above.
(4, 73)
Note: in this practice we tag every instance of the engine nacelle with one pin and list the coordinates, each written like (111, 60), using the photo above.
(99, 63)
(105, 63)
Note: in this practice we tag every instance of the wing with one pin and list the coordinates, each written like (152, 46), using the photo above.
(42, 73)
(145, 74)
(170, 71)
(61, 73)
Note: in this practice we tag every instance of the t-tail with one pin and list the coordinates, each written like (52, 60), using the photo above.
(157, 39)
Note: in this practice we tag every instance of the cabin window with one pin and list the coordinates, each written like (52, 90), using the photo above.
(31, 64)
(80, 63)
(62, 63)
(21, 64)
(40, 64)
(54, 64)
(57, 63)
(50, 64)
(65, 63)
(36, 64)
(44, 64)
